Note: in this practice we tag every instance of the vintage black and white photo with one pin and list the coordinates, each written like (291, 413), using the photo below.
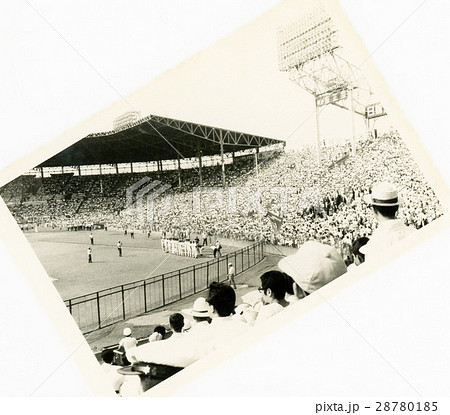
(223, 194)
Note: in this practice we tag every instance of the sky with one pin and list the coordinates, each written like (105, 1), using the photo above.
(92, 70)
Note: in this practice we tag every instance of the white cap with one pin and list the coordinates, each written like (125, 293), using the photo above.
(313, 265)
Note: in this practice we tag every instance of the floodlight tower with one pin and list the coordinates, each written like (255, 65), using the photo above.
(307, 49)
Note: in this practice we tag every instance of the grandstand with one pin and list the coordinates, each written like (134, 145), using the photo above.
(64, 193)
(323, 203)
(61, 200)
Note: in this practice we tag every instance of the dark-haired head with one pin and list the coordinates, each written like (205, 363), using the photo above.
(176, 321)
(161, 330)
(222, 297)
(107, 356)
(386, 211)
(276, 281)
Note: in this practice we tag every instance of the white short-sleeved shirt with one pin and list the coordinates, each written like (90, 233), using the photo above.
(128, 343)
(267, 311)
(385, 236)
(191, 346)
(115, 378)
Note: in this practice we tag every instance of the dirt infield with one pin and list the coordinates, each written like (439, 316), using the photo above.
(64, 257)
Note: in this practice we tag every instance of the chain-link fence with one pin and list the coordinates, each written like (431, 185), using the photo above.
(106, 307)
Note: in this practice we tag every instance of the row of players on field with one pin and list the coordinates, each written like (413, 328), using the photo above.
(191, 249)
(188, 248)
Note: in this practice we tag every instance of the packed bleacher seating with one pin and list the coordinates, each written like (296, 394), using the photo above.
(324, 204)
(307, 202)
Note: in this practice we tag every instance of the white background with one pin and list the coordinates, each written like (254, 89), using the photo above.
(48, 87)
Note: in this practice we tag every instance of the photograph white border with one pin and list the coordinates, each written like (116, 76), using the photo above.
(32, 269)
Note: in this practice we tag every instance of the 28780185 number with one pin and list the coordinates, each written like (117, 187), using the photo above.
(406, 406)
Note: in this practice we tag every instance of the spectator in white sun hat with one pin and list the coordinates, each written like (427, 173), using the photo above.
(127, 341)
(312, 266)
(385, 202)
(200, 314)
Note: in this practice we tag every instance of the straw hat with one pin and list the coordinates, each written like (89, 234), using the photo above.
(199, 309)
(313, 265)
(383, 194)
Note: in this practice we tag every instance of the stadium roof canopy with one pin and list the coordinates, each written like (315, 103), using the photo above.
(155, 138)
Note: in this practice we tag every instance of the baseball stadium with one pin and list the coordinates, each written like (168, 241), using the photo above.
(138, 224)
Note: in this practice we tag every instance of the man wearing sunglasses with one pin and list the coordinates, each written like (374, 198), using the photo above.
(273, 290)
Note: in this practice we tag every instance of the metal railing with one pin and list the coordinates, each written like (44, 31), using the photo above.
(106, 307)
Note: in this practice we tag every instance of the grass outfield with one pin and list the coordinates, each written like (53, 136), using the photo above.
(64, 256)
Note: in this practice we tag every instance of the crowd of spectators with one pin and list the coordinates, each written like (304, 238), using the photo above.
(325, 204)
(286, 200)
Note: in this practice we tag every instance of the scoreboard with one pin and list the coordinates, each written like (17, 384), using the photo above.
(332, 97)
(374, 111)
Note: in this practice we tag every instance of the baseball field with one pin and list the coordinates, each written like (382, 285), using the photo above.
(64, 256)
